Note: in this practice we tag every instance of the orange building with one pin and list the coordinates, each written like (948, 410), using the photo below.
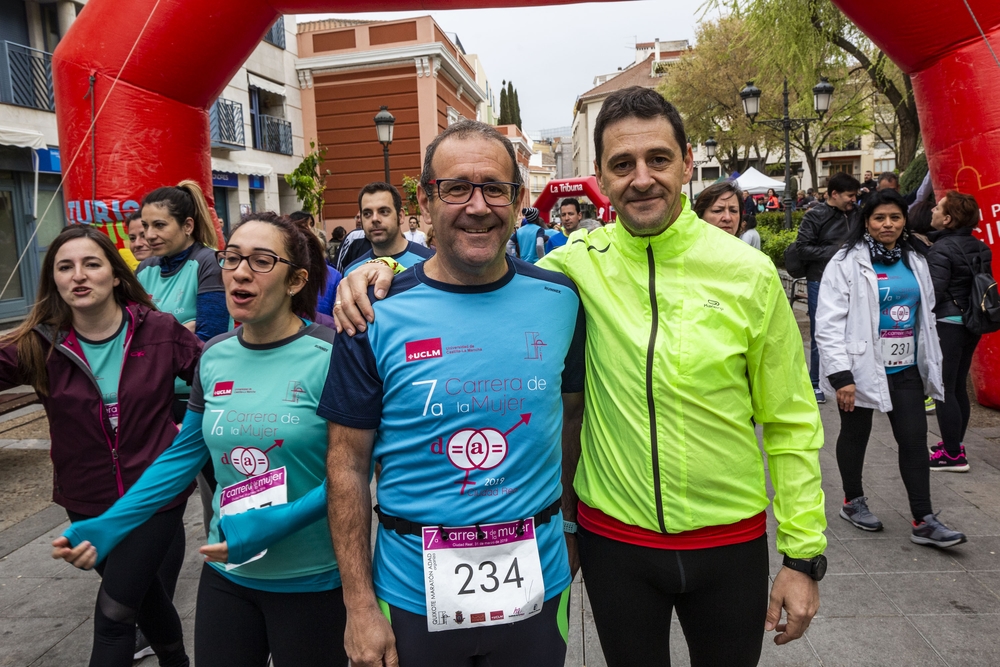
(348, 69)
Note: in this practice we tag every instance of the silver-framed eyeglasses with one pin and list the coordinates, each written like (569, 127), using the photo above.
(460, 191)
(258, 262)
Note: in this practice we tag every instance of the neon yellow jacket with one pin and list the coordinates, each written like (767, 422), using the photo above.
(689, 335)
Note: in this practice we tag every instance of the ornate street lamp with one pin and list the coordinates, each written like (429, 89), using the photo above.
(710, 147)
(822, 96)
(384, 122)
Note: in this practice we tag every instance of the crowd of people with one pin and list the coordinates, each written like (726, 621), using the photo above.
(531, 400)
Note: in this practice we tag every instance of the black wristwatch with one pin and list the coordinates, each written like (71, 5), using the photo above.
(814, 567)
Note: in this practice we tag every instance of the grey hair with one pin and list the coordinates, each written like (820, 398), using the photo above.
(463, 130)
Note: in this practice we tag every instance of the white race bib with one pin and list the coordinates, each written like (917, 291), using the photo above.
(265, 490)
(898, 347)
(471, 582)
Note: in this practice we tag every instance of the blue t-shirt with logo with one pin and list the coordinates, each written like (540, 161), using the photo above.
(105, 360)
(414, 254)
(555, 241)
(899, 304)
(527, 238)
(441, 359)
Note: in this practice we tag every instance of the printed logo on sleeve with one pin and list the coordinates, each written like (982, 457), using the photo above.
(428, 348)
(223, 388)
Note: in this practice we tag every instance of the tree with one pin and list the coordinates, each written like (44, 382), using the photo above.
(516, 112)
(809, 33)
(307, 181)
(504, 106)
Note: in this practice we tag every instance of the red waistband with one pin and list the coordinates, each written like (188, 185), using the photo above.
(600, 523)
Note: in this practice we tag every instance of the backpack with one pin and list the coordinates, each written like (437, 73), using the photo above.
(793, 264)
(983, 314)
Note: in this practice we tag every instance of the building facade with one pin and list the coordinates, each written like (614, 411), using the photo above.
(348, 69)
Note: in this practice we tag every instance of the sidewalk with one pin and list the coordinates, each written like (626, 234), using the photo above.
(885, 601)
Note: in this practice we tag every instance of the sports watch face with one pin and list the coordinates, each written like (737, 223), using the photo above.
(819, 568)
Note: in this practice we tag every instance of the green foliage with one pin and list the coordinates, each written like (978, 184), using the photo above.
(308, 182)
(410, 186)
(774, 242)
(516, 112)
(775, 222)
(911, 179)
(510, 107)
(504, 107)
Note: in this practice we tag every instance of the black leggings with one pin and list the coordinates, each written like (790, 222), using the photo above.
(138, 580)
(957, 347)
(238, 626)
(720, 595)
(539, 641)
(909, 428)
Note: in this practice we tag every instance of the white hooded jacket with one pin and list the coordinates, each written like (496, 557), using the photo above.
(847, 328)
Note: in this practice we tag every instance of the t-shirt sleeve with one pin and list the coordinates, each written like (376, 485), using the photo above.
(574, 371)
(196, 403)
(209, 272)
(353, 392)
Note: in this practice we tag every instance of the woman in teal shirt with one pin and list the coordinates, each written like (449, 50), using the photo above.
(271, 584)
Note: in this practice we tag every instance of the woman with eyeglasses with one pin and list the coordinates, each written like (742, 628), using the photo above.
(103, 362)
(271, 585)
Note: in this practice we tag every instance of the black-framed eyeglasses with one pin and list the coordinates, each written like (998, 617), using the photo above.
(459, 191)
(258, 262)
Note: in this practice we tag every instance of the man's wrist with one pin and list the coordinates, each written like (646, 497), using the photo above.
(814, 568)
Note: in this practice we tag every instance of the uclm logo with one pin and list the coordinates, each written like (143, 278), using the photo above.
(428, 348)
(223, 389)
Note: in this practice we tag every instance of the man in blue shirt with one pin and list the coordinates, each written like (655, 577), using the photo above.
(569, 214)
(459, 389)
(530, 236)
(381, 215)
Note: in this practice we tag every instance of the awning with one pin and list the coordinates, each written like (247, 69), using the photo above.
(22, 138)
(245, 168)
(264, 84)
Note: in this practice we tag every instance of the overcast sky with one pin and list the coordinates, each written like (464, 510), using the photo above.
(552, 54)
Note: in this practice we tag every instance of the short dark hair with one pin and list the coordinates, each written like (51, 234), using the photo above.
(302, 215)
(569, 201)
(963, 209)
(382, 186)
(842, 182)
(636, 102)
(465, 129)
(918, 219)
(713, 193)
(888, 176)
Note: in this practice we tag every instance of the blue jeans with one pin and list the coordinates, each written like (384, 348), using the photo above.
(813, 287)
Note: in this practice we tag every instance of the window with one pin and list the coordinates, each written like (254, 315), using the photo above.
(709, 173)
(842, 168)
(452, 116)
(886, 164)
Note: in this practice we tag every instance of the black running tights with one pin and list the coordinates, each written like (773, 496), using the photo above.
(138, 580)
(957, 347)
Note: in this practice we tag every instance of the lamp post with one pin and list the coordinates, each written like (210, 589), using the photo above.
(384, 122)
(822, 94)
(710, 147)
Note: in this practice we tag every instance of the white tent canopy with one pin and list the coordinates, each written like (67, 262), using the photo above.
(756, 183)
(21, 138)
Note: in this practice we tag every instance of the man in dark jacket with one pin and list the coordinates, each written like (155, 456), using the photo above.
(821, 232)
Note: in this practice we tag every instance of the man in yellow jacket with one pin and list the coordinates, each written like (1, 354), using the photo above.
(690, 340)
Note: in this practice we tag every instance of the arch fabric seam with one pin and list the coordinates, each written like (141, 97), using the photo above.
(983, 34)
(79, 149)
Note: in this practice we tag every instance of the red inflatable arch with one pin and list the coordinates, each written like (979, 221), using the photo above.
(153, 129)
(956, 79)
(573, 187)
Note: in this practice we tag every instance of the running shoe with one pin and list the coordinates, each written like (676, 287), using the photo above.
(940, 445)
(142, 647)
(940, 460)
(929, 405)
(856, 511)
(820, 396)
(933, 533)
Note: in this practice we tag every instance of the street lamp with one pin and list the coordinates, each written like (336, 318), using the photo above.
(710, 147)
(822, 95)
(384, 122)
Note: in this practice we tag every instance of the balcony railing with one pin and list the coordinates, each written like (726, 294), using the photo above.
(276, 35)
(847, 146)
(273, 135)
(26, 77)
(226, 122)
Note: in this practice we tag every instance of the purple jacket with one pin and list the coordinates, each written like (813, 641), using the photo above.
(94, 466)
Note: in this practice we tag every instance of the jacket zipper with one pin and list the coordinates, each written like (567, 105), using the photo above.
(650, 404)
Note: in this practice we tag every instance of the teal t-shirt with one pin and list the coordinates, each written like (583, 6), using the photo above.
(899, 309)
(414, 254)
(105, 360)
(176, 290)
(267, 443)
